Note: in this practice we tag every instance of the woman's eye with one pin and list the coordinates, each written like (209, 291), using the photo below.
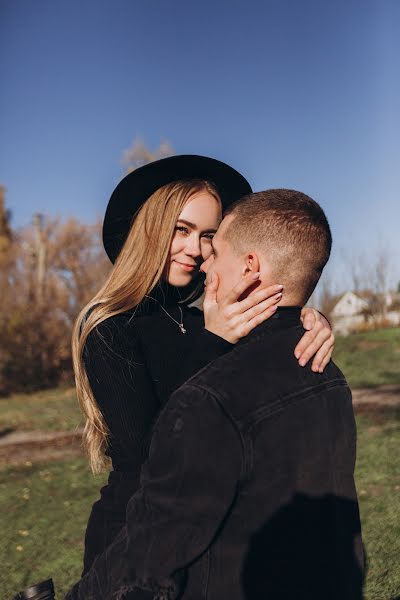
(182, 229)
(208, 236)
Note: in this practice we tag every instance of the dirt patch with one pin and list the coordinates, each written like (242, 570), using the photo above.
(28, 447)
(380, 397)
(369, 345)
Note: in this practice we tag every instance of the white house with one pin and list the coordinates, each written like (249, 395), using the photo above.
(349, 312)
(349, 304)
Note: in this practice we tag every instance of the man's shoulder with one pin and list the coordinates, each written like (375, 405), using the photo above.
(259, 373)
(253, 356)
(191, 404)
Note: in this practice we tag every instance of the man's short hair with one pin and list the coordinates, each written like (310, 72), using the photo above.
(290, 229)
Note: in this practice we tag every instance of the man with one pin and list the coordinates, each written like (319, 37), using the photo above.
(249, 490)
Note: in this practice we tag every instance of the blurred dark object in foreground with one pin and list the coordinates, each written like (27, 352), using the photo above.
(41, 591)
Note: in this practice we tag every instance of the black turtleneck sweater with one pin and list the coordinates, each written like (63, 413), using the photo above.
(135, 360)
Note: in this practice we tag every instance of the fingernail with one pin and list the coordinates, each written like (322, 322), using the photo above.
(297, 354)
(278, 295)
(302, 362)
(255, 276)
(279, 286)
(273, 308)
(316, 368)
(320, 370)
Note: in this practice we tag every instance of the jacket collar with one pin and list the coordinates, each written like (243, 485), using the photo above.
(283, 318)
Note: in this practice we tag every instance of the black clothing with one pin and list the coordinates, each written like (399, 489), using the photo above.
(134, 362)
(248, 492)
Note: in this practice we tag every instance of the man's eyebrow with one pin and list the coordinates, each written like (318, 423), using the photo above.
(194, 226)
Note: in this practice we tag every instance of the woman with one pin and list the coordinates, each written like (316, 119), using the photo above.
(138, 339)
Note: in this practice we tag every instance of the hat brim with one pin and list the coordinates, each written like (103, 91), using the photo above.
(133, 191)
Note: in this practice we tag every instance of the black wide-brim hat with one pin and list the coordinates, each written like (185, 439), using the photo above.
(133, 191)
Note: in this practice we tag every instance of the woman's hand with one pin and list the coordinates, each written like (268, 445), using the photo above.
(232, 318)
(318, 340)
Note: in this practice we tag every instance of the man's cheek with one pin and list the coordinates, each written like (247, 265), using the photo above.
(223, 289)
(206, 251)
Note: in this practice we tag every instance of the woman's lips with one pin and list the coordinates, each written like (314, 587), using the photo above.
(185, 267)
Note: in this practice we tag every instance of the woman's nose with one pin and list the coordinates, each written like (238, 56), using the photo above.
(193, 246)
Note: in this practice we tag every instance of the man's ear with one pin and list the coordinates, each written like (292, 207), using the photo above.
(251, 264)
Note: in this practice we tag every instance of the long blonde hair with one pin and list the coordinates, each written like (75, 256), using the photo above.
(137, 270)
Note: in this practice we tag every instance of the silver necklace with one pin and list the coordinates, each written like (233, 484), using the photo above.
(180, 325)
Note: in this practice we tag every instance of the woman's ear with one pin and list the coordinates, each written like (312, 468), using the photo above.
(251, 264)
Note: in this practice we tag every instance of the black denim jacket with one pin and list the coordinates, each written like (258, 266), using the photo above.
(249, 490)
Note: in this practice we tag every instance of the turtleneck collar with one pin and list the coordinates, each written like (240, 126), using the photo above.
(166, 295)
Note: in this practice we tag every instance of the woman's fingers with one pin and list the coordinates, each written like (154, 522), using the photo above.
(232, 319)
(267, 307)
(309, 317)
(211, 288)
(240, 288)
(249, 324)
(311, 342)
(323, 355)
(307, 339)
(258, 297)
(326, 359)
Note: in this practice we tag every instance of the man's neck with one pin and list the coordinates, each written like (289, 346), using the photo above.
(290, 301)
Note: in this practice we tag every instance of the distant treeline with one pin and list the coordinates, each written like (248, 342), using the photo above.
(48, 271)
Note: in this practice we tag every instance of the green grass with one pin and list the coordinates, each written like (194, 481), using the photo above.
(50, 410)
(371, 358)
(378, 484)
(44, 511)
(44, 508)
(367, 359)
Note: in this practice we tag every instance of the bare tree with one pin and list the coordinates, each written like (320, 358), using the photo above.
(78, 262)
(66, 263)
(6, 233)
(359, 272)
(370, 274)
(40, 255)
(380, 278)
(138, 154)
(324, 294)
(356, 270)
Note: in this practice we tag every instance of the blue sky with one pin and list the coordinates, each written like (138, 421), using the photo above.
(301, 94)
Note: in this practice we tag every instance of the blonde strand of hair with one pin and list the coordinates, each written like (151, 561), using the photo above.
(137, 270)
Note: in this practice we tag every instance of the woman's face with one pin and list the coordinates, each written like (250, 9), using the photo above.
(191, 244)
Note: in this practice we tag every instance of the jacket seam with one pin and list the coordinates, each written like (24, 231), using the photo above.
(271, 409)
(244, 467)
(280, 404)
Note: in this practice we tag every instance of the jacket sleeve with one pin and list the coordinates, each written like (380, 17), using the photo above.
(187, 488)
(121, 384)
